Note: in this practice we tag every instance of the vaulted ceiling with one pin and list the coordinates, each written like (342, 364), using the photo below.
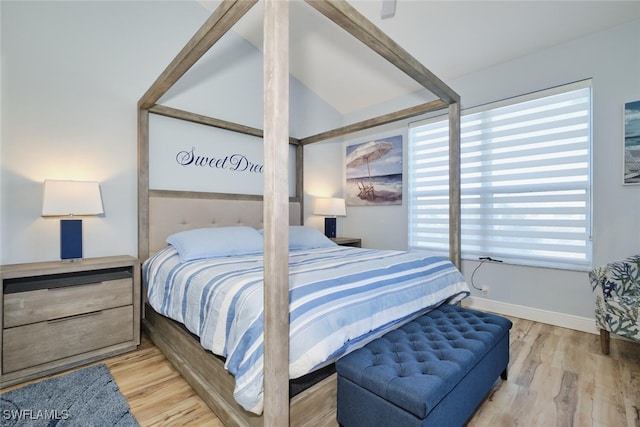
(451, 38)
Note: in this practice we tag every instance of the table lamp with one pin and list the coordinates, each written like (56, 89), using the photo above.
(70, 199)
(330, 207)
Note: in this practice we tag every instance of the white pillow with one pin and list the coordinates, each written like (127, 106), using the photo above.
(215, 242)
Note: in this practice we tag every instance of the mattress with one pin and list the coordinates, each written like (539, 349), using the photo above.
(340, 299)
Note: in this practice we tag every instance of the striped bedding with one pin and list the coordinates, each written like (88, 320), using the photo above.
(340, 299)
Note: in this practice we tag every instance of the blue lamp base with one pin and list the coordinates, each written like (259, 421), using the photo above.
(70, 239)
(330, 227)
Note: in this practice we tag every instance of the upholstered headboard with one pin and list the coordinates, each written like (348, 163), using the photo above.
(168, 215)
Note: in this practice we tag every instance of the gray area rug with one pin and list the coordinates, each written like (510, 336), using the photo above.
(87, 397)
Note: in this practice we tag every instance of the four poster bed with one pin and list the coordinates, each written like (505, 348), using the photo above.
(169, 213)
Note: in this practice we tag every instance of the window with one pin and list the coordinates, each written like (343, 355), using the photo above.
(525, 180)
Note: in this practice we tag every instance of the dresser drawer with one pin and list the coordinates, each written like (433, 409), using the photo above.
(23, 308)
(38, 343)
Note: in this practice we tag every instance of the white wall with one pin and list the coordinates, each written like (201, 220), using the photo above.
(612, 59)
(72, 73)
(71, 77)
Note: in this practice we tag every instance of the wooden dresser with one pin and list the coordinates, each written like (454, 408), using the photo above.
(56, 315)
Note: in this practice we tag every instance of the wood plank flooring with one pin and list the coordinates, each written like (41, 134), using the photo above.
(557, 377)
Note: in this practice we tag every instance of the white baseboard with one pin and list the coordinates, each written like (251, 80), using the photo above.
(569, 321)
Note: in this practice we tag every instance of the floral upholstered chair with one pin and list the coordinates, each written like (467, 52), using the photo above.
(616, 290)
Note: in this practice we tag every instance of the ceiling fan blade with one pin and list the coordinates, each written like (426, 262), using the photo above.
(388, 9)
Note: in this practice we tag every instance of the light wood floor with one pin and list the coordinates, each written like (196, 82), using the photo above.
(557, 377)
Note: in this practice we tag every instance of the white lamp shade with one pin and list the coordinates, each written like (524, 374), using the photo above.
(61, 198)
(330, 206)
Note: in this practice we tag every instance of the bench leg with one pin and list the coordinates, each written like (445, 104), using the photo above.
(503, 375)
(604, 341)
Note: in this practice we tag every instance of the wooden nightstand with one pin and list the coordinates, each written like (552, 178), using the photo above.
(56, 315)
(348, 241)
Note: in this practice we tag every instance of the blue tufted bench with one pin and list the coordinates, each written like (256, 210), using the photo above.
(433, 371)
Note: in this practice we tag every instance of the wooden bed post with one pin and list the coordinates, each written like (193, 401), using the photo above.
(455, 231)
(276, 213)
(299, 194)
(143, 184)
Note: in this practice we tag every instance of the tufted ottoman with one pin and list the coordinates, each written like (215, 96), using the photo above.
(433, 371)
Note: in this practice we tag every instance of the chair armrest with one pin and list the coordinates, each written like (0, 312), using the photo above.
(617, 279)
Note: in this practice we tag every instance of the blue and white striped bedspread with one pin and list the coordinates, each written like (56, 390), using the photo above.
(340, 299)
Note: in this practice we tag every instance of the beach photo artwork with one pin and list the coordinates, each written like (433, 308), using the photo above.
(374, 172)
(632, 142)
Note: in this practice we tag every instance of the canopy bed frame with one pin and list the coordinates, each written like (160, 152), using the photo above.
(203, 371)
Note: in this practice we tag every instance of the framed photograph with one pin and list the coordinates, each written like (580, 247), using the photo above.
(374, 172)
(632, 142)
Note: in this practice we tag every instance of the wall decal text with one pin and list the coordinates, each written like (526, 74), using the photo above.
(233, 162)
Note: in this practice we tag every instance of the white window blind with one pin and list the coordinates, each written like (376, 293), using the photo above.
(525, 180)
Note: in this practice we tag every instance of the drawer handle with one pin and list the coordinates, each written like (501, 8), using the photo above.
(77, 316)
